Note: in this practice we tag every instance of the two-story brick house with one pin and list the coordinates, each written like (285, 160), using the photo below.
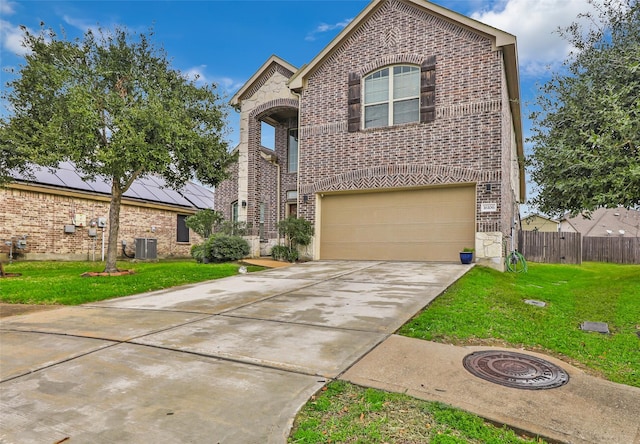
(401, 140)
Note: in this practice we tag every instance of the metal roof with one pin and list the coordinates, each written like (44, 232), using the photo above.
(149, 188)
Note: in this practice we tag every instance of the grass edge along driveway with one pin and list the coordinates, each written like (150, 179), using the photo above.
(62, 283)
(486, 307)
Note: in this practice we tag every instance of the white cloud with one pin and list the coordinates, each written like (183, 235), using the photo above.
(82, 25)
(324, 27)
(199, 75)
(196, 74)
(6, 8)
(11, 38)
(228, 84)
(534, 23)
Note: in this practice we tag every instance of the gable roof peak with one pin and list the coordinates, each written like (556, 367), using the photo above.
(500, 38)
(273, 59)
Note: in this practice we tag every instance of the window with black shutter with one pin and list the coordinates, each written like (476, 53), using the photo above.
(393, 95)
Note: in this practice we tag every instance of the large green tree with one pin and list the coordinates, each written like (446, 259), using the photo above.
(586, 136)
(111, 103)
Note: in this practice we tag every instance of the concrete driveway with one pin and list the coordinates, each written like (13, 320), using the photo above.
(226, 361)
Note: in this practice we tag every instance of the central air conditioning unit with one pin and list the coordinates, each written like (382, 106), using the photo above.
(146, 248)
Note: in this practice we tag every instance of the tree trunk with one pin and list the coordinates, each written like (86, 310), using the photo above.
(114, 228)
(1, 270)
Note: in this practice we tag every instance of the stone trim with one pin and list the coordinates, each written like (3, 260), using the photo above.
(397, 176)
(271, 104)
(264, 77)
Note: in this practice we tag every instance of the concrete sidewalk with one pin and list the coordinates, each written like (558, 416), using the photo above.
(585, 410)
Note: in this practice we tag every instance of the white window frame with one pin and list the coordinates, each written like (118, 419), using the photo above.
(390, 101)
(235, 211)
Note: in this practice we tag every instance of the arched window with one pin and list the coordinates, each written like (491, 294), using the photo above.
(234, 211)
(392, 96)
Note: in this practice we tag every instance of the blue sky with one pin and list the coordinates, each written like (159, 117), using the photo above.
(225, 42)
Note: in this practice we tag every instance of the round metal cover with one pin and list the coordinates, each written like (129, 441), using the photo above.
(515, 370)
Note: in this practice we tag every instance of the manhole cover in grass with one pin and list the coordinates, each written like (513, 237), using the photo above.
(515, 370)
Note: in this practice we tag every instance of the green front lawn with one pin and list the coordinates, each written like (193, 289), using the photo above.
(486, 307)
(62, 283)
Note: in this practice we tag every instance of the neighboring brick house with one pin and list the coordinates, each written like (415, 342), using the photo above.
(401, 140)
(63, 217)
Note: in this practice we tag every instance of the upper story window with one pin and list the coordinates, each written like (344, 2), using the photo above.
(392, 96)
(292, 151)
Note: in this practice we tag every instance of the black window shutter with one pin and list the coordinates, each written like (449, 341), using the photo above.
(428, 90)
(354, 102)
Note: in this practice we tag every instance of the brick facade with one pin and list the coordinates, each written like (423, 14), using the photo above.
(227, 193)
(42, 215)
(471, 140)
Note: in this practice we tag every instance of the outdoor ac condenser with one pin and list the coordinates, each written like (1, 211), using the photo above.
(146, 248)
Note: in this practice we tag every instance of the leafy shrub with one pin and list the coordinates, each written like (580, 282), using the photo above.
(197, 252)
(284, 253)
(297, 231)
(222, 248)
(204, 222)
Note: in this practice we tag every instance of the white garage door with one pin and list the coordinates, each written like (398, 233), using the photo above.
(429, 224)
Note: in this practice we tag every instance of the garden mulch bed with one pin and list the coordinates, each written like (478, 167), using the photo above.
(102, 273)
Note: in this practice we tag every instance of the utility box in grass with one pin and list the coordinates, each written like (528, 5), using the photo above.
(146, 248)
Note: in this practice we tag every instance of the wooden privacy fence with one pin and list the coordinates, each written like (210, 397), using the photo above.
(572, 248)
(551, 248)
(619, 250)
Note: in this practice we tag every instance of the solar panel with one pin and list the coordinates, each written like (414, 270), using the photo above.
(144, 192)
(99, 186)
(177, 198)
(71, 179)
(45, 177)
(149, 188)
